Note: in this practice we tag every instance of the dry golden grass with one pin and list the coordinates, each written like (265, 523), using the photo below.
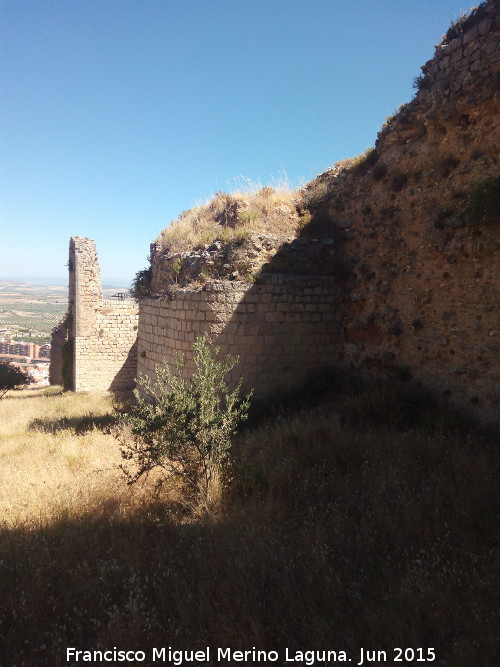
(278, 210)
(230, 217)
(376, 532)
(56, 459)
(319, 189)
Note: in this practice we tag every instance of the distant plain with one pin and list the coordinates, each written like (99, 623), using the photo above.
(31, 310)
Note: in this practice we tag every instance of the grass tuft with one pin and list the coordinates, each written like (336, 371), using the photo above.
(465, 22)
(233, 217)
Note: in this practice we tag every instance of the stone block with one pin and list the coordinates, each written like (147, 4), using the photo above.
(275, 317)
(251, 330)
(470, 49)
(455, 44)
(456, 57)
(462, 64)
(471, 35)
(445, 63)
(484, 27)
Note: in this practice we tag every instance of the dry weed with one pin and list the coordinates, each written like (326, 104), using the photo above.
(57, 456)
(338, 536)
(230, 217)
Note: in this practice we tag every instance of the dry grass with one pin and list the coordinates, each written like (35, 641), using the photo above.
(333, 536)
(252, 208)
(231, 217)
(322, 187)
(56, 458)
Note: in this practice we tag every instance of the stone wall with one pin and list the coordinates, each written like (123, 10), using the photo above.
(422, 294)
(280, 327)
(466, 60)
(409, 279)
(103, 332)
(419, 277)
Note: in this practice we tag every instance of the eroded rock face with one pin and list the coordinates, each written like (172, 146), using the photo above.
(247, 259)
(238, 260)
(423, 293)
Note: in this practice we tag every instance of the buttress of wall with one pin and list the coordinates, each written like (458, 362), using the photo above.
(106, 354)
(280, 327)
(104, 333)
(85, 292)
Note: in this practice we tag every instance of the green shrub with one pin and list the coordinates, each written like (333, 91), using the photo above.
(483, 203)
(420, 82)
(11, 377)
(184, 427)
(177, 265)
(141, 285)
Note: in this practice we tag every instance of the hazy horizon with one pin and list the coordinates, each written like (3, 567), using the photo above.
(48, 281)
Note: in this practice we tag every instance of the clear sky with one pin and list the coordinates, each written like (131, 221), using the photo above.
(116, 115)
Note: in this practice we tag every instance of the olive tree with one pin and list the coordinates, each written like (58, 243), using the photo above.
(184, 425)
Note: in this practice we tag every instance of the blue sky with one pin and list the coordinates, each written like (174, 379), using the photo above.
(116, 115)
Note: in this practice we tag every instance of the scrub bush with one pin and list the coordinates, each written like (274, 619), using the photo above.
(11, 377)
(184, 426)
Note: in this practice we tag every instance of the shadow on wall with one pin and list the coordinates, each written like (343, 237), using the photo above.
(125, 378)
(285, 324)
(289, 321)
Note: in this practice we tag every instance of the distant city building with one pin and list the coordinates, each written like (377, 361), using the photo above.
(18, 349)
(44, 352)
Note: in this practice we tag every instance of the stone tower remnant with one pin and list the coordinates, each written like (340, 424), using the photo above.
(101, 333)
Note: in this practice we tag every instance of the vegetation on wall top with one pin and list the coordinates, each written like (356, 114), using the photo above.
(232, 217)
(464, 23)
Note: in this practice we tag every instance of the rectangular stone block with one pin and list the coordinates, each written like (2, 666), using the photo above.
(275, 317)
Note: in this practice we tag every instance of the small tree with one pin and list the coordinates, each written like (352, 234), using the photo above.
(141, 285)
(11, 377)
(184, 426)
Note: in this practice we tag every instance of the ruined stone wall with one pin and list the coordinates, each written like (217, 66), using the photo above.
(409, 275)
(103, 332)
(418, 277)
(469, 56)
(422, 294)
(280, 327)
